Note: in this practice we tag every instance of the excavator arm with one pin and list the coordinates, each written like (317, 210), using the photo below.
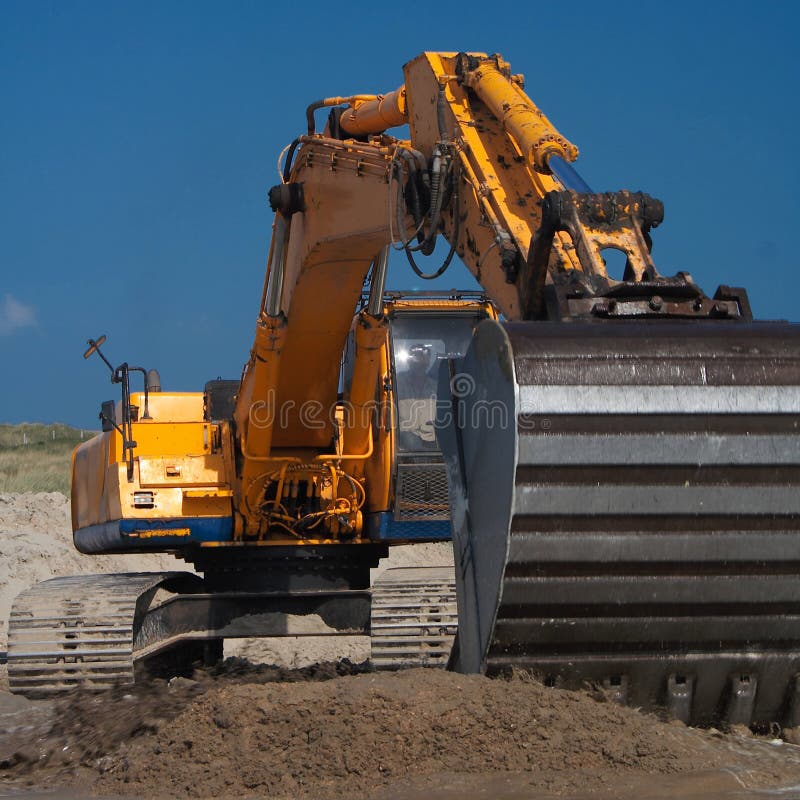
(484, 168)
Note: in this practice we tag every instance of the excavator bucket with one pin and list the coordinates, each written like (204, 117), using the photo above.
(626, 511)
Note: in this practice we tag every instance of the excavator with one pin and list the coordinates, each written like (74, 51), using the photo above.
(616, 456)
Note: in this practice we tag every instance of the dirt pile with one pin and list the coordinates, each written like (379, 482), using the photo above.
(329, 732)
(348, 737)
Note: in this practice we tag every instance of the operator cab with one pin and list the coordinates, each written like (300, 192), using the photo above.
(425, 330)
(420, 342)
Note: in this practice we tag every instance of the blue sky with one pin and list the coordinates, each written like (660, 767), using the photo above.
(137, 142)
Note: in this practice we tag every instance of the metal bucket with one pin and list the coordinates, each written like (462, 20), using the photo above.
(626, 510)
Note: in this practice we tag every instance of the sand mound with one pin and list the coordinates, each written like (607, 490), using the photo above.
(421, 733)
(36, 544)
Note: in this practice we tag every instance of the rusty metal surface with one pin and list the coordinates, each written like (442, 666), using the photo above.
(634, 520)
(616, 221)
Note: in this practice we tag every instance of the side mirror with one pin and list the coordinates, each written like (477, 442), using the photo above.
(108, 414)
(93, 345)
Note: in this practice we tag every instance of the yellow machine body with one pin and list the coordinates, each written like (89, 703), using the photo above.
(175, 489)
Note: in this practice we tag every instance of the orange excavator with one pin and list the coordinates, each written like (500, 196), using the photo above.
(621, 452)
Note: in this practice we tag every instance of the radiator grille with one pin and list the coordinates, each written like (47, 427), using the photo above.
(421, 493)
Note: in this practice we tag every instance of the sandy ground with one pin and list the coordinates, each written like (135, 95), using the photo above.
(338, 729)
(36, 544)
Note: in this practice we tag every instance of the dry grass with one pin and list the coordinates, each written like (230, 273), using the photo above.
(36, 458)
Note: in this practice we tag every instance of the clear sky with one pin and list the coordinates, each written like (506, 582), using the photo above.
(138, 140)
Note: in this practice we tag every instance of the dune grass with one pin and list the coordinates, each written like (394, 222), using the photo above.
(36, 457)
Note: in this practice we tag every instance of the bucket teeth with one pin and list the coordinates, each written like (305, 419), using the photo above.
(626, 511)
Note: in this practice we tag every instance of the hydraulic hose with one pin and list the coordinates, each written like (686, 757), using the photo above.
(429, 276)
(437, 169)
(413, 191)
(287, 165)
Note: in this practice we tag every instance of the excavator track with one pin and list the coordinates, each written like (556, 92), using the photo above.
(414, 617)
(79, 631)
(96, 631)
(633, 523)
